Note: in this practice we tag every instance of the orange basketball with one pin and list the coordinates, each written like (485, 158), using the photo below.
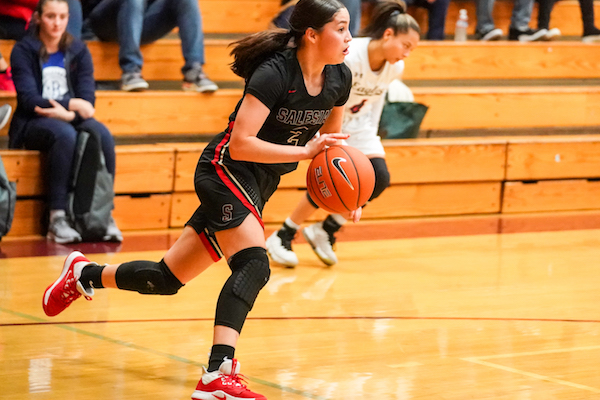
(340, 179)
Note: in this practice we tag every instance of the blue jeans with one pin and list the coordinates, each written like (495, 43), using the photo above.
(57, 139)
(521, 15)
(437, 17)
(132, 23)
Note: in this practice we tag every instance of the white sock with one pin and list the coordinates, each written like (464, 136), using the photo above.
(291, 224)
(339, 219)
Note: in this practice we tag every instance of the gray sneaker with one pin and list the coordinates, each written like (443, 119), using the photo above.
(62, 232)
(195, 80)
(133, 82)
(113, 233)
(321, 242)
(5, 111)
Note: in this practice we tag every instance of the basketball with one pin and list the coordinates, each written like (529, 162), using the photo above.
(340, 179)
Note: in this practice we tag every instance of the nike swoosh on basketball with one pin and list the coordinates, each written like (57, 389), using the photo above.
(337, 164)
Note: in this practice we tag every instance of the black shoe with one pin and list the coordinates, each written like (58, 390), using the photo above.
(492, 34)
(529, 35)
(592, 36)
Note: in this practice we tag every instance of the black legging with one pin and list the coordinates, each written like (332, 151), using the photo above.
(587, 14)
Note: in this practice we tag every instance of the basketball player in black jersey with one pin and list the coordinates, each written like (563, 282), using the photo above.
(295, 85)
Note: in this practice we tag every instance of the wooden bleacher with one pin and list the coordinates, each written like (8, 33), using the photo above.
(495, 178)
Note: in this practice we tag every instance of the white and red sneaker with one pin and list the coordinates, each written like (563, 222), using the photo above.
(67, 287)
(225, 384)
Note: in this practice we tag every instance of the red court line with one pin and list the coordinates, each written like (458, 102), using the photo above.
(507, 319)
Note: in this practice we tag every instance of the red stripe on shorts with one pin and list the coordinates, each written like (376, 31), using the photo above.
(234, 189)
(211, 250)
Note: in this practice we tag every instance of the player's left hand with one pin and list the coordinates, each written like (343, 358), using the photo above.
(356, 214)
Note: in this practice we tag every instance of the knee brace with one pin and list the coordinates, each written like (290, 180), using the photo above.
(250, 273)
(147, 277)
(382, 176)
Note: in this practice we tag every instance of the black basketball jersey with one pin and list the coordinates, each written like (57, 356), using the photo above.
(295, 115)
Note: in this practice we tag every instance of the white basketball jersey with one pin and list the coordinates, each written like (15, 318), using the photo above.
(367, 97)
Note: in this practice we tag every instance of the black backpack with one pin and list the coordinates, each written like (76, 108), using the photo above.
(8, 198)
(92, 194)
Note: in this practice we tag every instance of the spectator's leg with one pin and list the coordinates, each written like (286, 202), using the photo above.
(121, 21)
(75, 18)
(354, 9)
(12, 28)
(521, 15)
(545, 8)
(485, 22)
(587, 16)
(57, 139)
(437, 19)
(163, 15)
(107, 139)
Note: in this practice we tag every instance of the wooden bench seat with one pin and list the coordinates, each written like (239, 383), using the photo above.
(498, 177)
(178, 112)
(445, 60)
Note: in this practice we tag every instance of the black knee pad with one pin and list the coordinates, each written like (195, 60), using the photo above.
(147, 277)
(382, 176)
(251, 273)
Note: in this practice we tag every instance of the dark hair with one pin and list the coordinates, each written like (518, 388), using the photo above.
(390, 14)
(66, 38)
(251, 51)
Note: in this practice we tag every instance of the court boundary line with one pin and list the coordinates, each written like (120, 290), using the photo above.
(481, 361)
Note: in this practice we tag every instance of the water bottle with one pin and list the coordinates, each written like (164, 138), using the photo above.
(460, 32)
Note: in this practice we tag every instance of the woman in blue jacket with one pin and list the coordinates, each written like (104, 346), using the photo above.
(54, 79)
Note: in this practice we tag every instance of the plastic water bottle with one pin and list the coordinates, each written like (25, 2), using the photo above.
(460, 32)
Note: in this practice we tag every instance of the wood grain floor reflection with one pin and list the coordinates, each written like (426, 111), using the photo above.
(511, 316)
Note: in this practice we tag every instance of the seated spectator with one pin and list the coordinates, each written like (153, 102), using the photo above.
(354, 8)
(15, 18)
(591, 34)
(437, 11)
(6, 82)
(53, 75)
(132, 23)
(519, 23)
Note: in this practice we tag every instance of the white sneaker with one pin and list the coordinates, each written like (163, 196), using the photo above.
(280, 249)
(552, 34)
(321, 242)
(113, 233)
(61, 231)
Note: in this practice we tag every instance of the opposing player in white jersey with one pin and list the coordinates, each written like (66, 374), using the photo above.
(375, 60)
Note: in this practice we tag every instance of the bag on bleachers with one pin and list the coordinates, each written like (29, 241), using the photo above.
(401, 116)
(92, 194)
(8, 198)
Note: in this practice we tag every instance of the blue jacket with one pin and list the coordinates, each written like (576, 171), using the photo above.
(27, 74)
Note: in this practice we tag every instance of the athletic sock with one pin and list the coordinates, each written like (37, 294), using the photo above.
(91, 276)
(331, 224)
(218, 354)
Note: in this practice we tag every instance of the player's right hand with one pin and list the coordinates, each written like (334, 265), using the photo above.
(319, 142)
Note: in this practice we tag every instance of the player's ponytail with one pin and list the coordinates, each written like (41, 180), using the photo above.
(249, 52)
(390, 14)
